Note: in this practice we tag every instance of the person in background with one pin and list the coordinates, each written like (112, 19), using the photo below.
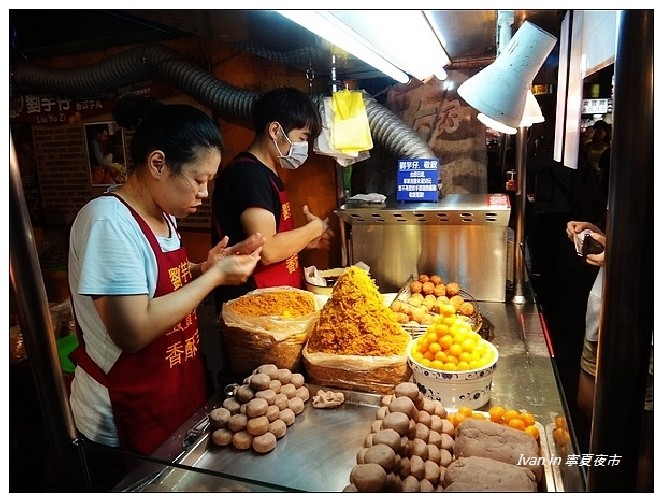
(587, 372)
(140, 372)
(586, 386)
(600, 141)
(249, 195)
(101, 161)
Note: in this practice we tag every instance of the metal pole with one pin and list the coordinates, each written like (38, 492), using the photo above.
(626, 322)
(38, 335)
(520, 207)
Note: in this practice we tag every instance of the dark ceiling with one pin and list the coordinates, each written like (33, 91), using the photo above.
(39, 34)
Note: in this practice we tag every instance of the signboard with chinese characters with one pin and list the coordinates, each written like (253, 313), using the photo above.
(595, 105)
(418, 180)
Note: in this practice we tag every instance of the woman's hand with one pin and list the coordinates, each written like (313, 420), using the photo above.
(575, 227)
(221, 250)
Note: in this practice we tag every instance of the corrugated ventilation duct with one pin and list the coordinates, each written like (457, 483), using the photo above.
(154, 60)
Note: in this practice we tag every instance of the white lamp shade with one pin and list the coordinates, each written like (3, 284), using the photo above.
(532, 112)
(499, 91)
(497, 126)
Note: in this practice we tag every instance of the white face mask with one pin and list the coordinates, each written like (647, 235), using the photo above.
(296, 157)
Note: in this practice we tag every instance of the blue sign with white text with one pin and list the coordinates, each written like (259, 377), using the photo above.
(418, 180)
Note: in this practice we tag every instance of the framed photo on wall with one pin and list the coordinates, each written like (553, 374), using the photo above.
(106, 153)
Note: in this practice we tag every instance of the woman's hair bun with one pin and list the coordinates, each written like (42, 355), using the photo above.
(132, 108)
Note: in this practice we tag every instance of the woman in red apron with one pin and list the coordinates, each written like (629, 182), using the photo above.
(140, 371)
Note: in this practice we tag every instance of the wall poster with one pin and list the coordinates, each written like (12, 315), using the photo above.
(106, 153)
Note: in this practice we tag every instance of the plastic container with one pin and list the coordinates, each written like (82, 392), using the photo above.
(65, 345)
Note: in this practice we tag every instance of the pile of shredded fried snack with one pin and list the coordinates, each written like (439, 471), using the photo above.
(355, 320)
(274, 303)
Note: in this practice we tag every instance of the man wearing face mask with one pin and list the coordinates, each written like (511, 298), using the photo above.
(249, 195)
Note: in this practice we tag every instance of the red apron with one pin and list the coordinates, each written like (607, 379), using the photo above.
(152, 392)
(285, 272)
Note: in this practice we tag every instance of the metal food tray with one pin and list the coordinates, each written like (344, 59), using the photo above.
(316, 454)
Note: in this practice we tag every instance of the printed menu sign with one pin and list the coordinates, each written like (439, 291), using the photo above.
(418, 180)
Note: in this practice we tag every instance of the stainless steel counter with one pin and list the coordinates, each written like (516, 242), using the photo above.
(318, 450)
(463, 238)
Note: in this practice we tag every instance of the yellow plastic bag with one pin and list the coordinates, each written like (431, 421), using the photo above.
(351, 129)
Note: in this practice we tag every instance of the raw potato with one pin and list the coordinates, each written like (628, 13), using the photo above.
(259, 382)
(434, 454)
(281, 401)
(403, 404)
(273, 411)
(446, 458)
(397, 421)
(439, 409)
(218, 417)
(405, 468)
(434, 438)
(242, 440)
(257, 426)
(447, 427)
(419, 448)
(275, 385)
(381, 412)
(350, 488)
(360, 455)
(447, 442)
(426, 486)
(264, 443)
(297, 380)
(296, 404)
(382, 455)
(244, 394)
(288, 389)
(417, 466)
(284, 375)
(268, 395)
(376, 425)
(266, 369)
(411, 484)
(368, 477)
(424, 418)
(287, 416)
(369, 440)
(256, 407)
(232, 405)
(222, 437)
(429, 405)
(237, 422)
(387, 437)
(393, 483)
(405, 446)
(302, 392)
(435, 423)
(386, 399)
(432, 472)
(407, 389)
(278, 428)
(421, 431)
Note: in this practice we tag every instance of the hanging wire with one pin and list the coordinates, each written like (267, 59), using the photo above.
(310, 76)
